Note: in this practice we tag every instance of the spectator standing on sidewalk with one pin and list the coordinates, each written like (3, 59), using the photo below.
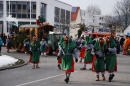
(43, 47)
(122, 42)
(4, 38)
(8, 44)
(1, 43)
(26, 46)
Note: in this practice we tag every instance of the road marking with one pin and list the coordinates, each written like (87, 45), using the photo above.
(41, 79)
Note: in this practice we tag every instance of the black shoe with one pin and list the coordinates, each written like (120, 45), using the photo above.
(59, 67)
(67, 80)
(111, 77)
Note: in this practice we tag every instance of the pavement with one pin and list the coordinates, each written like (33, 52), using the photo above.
(49, 75)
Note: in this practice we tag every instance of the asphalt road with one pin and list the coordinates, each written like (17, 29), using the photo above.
(50, 75)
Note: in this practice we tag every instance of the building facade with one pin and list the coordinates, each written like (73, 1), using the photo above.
(75, 20)
(55, 12)
(86, 18)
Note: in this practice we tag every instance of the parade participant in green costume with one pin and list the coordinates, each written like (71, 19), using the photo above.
(88, 56)
(26, 46)
(35, 52)
(111, 62)
(67, 51)
(43, 47)
(98, 64)
(59, 48)
(82, 49)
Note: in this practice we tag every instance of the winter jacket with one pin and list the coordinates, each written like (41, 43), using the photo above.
(1, 41)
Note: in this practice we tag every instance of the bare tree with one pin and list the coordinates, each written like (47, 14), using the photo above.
(95, 10)
(112, 22)
(122, 11)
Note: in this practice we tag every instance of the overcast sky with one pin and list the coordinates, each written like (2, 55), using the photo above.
(106, 6)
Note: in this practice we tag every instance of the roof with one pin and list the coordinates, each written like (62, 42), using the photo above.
(74, 13)
(35, 26)
(127, 30)
(63, 2)
(29, 26)
(98, 33)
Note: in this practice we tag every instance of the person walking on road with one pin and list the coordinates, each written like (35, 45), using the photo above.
(88, 55)
(98, 64)
(111, 59)
(82, 50)
(35, 53)
(67, 51)
(59, 48)
(1, 43)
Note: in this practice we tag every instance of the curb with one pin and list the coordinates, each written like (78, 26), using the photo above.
(25, 63)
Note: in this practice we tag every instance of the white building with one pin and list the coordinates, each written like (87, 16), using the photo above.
(75, 20)
(99, 23)
(55, 12)
(95, 22)
(86, 18)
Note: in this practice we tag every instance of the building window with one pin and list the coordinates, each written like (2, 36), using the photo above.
(57, 14)
(1, 27)
(62, 18)
(67, 17)
(21, 9)
(43, 10)
(100, 23)
(1, 9)
(100, 18)
(33, 22)
(24, 23)
(33, 12)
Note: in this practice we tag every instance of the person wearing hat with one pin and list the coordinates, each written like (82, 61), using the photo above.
(125, 46)
(26, 46)
(111, 60)
(66, 52)
(59, 48)
(43, 47)
(98, 64)
(35, 53)
(88, 55)
(82, 49)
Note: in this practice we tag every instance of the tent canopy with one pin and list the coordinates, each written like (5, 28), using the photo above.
(127, 30)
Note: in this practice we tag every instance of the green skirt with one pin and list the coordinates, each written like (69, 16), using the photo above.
(67, 62)
(35, 56)
(111, 65)
(99, 65)
(88, 57)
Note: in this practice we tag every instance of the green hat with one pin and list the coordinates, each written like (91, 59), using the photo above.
(61, 40)
(96, 46)
(71, 45)
(112, 43)
(88, 40)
